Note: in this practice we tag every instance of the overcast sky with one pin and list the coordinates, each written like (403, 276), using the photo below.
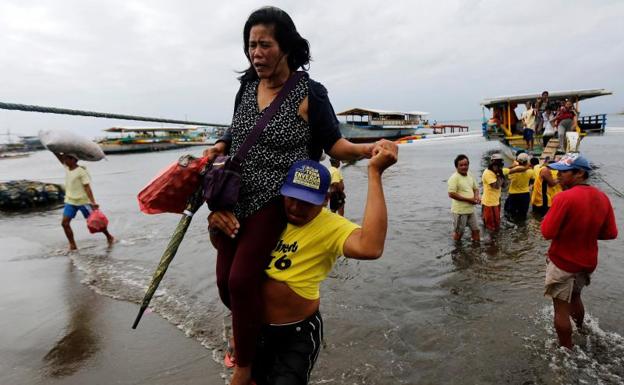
(177, 59)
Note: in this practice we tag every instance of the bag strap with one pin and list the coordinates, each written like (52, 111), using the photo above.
(253, 136)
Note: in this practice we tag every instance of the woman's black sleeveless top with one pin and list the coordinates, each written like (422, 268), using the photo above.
(283, 141)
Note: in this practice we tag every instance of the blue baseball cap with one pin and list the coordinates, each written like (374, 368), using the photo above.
(308, 181)
(571, 161)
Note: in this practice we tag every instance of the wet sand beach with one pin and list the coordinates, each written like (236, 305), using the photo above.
(56, 330)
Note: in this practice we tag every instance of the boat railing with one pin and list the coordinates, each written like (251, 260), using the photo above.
(393, 122)
(594, 123)
(442, 128)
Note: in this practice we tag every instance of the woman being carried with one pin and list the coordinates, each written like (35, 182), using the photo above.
(304, 125)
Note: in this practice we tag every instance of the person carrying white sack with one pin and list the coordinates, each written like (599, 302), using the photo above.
(78, 197)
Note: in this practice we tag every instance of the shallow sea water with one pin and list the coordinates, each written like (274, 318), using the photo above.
(430, 311)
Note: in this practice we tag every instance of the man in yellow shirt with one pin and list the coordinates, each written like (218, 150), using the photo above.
(520, 176)
(464, 194)
(545, 188)
(528, 124)
(493, 180)
(337, 196)
(78, 196)
(309, 246)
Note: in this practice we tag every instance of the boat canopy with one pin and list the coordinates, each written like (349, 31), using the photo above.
(574, 95)
(379, 113)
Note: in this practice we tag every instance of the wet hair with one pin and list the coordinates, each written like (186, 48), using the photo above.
(459, 158)
(285, 33)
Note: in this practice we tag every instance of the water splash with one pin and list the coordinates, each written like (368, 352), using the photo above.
(597, 356)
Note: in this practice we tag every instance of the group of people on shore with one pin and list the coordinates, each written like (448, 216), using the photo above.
(529, 183)
(575, 216)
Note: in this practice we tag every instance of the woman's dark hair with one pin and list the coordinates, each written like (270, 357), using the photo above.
(459, 158)
(286, 35)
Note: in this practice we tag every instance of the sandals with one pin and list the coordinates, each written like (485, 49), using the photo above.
(229, 359)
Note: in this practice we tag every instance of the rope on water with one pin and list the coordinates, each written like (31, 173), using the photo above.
(65, 111)
(617, 192)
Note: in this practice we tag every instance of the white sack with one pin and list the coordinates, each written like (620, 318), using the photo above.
(69, 143)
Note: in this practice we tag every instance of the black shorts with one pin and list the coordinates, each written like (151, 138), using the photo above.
(286, 354)
(336, 200)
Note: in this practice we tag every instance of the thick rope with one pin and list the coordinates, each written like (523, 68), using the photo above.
(65, 111)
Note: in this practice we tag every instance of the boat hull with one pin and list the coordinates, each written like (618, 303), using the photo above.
(110, 148)
(358, 134)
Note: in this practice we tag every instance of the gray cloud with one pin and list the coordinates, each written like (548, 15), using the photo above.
(178, 60)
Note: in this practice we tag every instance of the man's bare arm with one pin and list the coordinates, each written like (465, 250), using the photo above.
(368, 242)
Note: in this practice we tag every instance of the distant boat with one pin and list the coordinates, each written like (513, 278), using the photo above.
(13, 148)
(504, 124)
(368, 125)
(145, 139)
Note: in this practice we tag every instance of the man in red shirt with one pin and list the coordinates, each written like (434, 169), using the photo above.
(578, 218)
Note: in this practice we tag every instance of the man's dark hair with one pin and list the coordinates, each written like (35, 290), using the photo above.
(585, 173)
(459, 158)
(534, 161)
(285, 33)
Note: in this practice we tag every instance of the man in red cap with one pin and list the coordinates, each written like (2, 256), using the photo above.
(578, 218)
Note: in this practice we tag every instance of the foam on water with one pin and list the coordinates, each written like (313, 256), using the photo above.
(597, 356)
(128, 280)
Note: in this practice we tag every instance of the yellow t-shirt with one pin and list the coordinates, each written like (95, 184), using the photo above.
(537, 195)
(491, 196)
(305, 254)
(464, 186)
(528, 118)
(75, 193)
(336, 175)
(519, 180)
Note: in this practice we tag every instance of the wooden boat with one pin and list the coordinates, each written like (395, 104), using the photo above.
(144, 139)
(363, 125)
(504, 123)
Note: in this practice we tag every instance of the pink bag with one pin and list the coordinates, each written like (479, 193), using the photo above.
(97, 222)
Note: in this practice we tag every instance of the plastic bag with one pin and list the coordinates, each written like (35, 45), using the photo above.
(97, 222)
(62, 141)
(170, 190)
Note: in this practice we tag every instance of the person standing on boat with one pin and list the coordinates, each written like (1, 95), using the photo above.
(528, 123)
(464, 194)
(337, 195)
(565, 121)
(541, 105)
(304, 126)
(545, 188)
(78, 196)
(493, 180)
(578, 218)
(549, 129)
(518, 199)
